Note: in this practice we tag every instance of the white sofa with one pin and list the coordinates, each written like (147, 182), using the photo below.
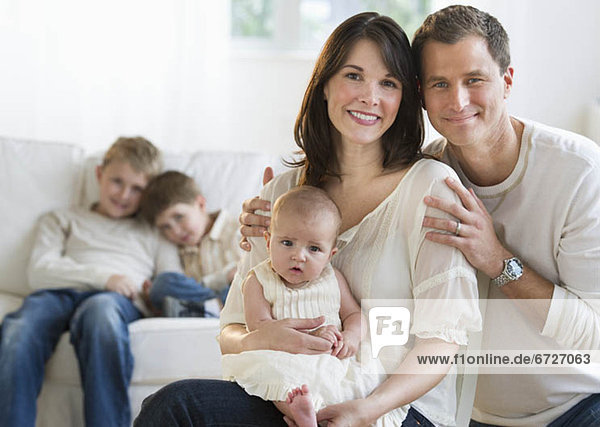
(36, 177)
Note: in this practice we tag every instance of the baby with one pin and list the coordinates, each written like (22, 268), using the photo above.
(298, 281)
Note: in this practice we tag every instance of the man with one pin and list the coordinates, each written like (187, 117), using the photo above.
(530, 221)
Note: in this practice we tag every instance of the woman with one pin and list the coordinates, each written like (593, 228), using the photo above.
(361, 130)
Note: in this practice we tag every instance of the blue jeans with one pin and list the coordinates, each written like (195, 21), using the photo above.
(196, 403)
(585, 413)
(182, 287)
(97, 322)
(415, 418)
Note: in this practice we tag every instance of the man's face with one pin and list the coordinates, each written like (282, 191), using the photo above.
(464, 92)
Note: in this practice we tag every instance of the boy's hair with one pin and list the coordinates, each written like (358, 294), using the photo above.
(166, 190)
(453, 23)
(138, 152)
(307, 201)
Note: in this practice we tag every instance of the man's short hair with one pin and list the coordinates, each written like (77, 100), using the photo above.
(453, 23)
(307, 201)
(166, 190)
(138, 152)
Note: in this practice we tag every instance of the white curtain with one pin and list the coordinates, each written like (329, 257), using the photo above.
(88, 71)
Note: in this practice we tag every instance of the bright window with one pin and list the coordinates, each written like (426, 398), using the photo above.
(305, 24)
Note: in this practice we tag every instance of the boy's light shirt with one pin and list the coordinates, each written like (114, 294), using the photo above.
(79, 248)
(217, 253)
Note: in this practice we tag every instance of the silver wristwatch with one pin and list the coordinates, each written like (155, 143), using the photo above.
(513, 270)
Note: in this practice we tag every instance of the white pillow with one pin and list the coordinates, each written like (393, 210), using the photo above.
(35, 177)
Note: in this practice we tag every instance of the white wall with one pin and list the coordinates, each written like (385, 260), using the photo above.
(266, 96)
(556, 55)
(86, 72)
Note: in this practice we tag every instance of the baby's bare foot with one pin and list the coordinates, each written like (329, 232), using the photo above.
(301, 407)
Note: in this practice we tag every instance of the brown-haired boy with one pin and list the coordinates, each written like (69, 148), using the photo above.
(208, 245)
(88, 264)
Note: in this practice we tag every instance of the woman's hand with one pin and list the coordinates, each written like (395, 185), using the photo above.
(287, 335)
(351, 413)
(476, 237)
(251, 224)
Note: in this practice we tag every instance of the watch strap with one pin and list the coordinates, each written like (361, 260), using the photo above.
(506, 276)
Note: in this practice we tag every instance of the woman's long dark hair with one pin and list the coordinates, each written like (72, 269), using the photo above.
(402, 141)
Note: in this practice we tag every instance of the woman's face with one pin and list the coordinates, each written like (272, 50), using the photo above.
(363, 97)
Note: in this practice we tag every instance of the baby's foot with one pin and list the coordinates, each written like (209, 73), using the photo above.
(301, 407)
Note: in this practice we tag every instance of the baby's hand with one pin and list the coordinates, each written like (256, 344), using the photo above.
(121, 284)
(328, 332)
(351, 342)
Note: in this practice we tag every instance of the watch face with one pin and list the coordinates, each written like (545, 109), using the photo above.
(514, 268)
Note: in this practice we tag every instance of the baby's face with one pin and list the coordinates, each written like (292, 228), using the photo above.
(300, 248)
(184, 223)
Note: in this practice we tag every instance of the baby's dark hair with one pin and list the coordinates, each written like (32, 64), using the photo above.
(306, 200)
(165, 190)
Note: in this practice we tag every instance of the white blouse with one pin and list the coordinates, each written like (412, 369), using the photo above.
(386, 256)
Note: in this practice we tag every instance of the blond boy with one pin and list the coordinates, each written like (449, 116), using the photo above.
(88, 265)
(208, 246)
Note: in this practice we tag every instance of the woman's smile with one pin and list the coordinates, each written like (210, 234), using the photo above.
(364, 118)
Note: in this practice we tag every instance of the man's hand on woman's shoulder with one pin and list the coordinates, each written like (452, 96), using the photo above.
(252, 224)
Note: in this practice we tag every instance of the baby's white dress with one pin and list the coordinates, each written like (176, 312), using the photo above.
(271, 374)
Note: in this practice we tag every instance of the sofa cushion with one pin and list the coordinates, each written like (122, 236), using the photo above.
(34, 177)
(8, 304)
(164, 349)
